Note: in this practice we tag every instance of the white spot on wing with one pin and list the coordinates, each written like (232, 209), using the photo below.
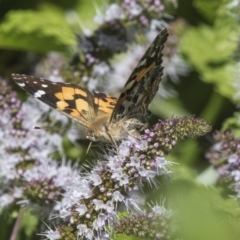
(44, 85)
(39, 93)
(129, 85)
(143, 62)
(153, 54)
(21, 84)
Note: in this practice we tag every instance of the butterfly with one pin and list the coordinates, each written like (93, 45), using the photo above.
(105, 118)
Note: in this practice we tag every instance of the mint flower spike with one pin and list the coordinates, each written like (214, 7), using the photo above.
(224, 155)
(153, 225)
(164, 135)
(29, 174)
(91, 201)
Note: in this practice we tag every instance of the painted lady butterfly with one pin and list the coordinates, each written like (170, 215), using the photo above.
(105, 118)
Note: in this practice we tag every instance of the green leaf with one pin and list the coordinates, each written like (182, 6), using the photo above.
(36, 31)
(209, 50)
(208, 8)
(206, 45)
(166, 107)
(29, 222)
(233, 123)
(202, 213)
(125, 237)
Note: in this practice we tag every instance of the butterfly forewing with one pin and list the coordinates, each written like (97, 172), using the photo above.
(142, 84)
(70, 99)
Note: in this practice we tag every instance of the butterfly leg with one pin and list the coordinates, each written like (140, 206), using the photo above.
(113, 141)
(89, 146)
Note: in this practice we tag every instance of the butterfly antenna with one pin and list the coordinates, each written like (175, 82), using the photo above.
(51, 128)
(41, 128)
(36, 127)
(89, 146)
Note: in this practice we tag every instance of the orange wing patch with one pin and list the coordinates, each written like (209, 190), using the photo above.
(105, 105)
(143, 71)
(75, 114)
(59, 96)
(68, 93)
(81, 105)
(81, 92)
(61, 105)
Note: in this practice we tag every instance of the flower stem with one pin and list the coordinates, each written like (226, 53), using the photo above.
(17, 224)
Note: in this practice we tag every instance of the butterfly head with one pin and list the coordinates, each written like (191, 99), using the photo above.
(92, 136)
(100, 134)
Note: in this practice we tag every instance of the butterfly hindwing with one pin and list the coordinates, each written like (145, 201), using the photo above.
(142, 84)
(104, 104)
(70, 99)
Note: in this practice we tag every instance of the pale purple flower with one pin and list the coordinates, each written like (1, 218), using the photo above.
(224, 156)
(100, 221)
(117, 196)
(95, 179)
(52, 234)
(81, 209)
(83, 230)
(28, 152)
(113, 12)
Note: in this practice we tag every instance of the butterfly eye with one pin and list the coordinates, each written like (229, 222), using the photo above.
(91, 135)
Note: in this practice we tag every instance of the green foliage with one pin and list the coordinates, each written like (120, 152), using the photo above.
(125, 237)
(202, 213)
(29, 223)
(86, 11)
(168, 107)
(209, 49)
(208, 8)
(233, 123)
(30, 30)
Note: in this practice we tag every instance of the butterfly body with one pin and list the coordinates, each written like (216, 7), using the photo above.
(105, 118)
(102, 130)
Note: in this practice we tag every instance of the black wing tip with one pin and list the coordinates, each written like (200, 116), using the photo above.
(164, 31)
(17, 76)
(162, 36)
(14, 75)
(20, 75)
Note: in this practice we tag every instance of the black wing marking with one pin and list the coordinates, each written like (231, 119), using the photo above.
(70, 99)
(142, 84)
